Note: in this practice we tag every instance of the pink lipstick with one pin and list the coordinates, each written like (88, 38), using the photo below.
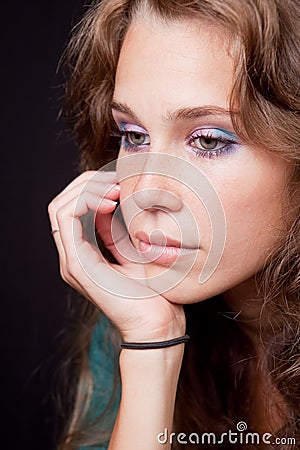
(162, 249)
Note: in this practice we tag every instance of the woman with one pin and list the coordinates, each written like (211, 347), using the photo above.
(203, 96)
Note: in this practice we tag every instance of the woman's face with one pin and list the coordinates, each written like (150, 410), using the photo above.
(171, 103)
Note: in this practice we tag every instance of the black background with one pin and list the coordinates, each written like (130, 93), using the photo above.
(38, 158)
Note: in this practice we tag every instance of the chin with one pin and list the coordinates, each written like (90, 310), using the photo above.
(185, 288)
(179, 289)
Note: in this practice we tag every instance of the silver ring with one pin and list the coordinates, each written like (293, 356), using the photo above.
(56, 230)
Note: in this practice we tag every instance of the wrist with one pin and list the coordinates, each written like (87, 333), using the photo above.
(156, 334)
(149, 385)
(153, 362)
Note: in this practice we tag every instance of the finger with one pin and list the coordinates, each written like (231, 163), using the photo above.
(79, 205)
(100, 280)
(80, 254)
(87, 201)
(57, 204)
(107, 190)
(92, 175)
(56, 233)
(95, 181)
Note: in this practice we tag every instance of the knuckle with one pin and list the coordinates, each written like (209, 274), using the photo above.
(87, 175)
(82, 196)
(61, 214)
(64, 275)
(51, 208)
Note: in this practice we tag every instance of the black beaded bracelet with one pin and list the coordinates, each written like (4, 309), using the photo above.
(153, 345)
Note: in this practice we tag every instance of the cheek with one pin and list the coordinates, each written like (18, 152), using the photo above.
(252, 188)
(255, 223)
(254, 228)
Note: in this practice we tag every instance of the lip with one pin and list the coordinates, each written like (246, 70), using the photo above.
(162, 250)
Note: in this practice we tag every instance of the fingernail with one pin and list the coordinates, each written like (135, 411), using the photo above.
(108, 202)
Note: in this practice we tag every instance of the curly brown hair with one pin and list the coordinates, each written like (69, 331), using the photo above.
(265, 35)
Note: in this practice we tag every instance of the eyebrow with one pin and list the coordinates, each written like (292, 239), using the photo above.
(178, 114)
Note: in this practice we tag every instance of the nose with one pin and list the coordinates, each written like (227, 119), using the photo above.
(152, 193)
(154, 188)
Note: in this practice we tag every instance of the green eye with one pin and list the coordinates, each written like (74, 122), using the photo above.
(206, 143)
(212, 142)
(135, 138)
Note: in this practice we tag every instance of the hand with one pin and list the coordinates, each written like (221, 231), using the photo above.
(138, 312)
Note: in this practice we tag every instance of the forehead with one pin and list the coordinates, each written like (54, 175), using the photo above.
(182, 60)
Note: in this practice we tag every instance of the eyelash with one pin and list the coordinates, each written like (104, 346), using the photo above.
(229, 144)
(124, 141)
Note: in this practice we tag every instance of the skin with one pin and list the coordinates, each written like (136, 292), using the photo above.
(163, 68)
(248, 181)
